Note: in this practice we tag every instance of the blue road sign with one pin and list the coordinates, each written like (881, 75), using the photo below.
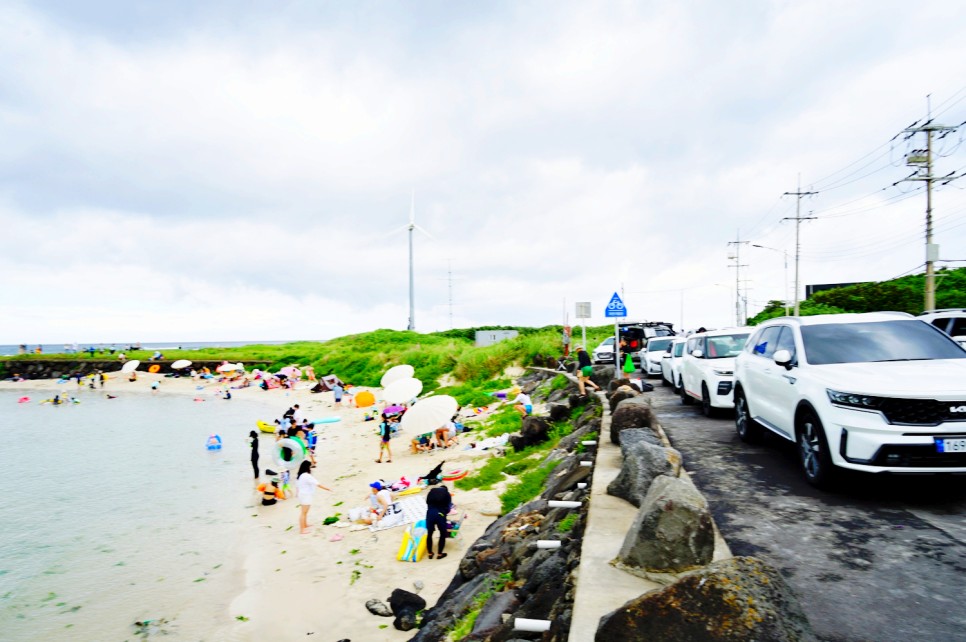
(615, 308)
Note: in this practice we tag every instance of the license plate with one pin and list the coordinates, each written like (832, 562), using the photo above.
(951, 445)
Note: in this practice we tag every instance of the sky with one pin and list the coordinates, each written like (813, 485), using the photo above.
(207, 171)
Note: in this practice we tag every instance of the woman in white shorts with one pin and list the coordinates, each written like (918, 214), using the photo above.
(306, 485)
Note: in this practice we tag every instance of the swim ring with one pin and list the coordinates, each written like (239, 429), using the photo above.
(213, 443)
(154, 368)
(453, 475)
(288, 453)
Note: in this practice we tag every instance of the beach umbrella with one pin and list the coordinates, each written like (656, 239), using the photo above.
(365, 399)
(402, 390)
(396, 373)
(180, 363)
(429, 414)
(229, 367)
(291, 372)
(130, 366)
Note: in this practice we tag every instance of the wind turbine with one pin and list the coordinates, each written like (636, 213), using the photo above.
(412, 226)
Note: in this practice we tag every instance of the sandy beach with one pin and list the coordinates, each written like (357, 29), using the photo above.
(288, 586)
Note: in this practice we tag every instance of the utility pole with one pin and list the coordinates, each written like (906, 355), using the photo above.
(922, 159)
(737, 266)
(798, 218)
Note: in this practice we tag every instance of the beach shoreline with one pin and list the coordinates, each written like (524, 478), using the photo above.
(285, 585)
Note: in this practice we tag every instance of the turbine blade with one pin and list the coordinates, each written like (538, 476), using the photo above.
(421, 229)
(394, 231)
(412, 209)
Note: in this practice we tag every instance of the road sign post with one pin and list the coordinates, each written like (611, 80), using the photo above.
(583, 313)
(615, 309)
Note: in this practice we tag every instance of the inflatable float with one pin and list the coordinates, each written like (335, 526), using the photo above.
(453, 475)
(23, 400)
(213, 443)
(412, 490)
(327, 420)
(154, 368)
(288, 453)
(264, 426)
(413, 545)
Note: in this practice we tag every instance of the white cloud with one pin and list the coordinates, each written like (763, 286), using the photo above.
(241, 180)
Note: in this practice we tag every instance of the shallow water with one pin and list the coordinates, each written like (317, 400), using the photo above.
(115, 512)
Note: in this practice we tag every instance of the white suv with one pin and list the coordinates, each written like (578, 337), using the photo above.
(653, 353)
(671, 363)
(707, 368)
(875, 392)
(950, 321)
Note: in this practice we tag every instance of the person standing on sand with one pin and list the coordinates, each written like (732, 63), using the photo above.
(254, 437)
(438, 504)
(306, 485)
(337, 393)
(584, 369)
(385, 434)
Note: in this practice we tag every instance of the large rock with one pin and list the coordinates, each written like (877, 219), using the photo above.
(533, 431)
(558, 412)
(643, 462)
(673, 530)
(570, 441)
(733, 600)
(404, 606)
(634, 412)
(636, 435)
(451, 606)
(619, 395)
(602, 375)
(490, 618)
(378, 607)
(565, 477)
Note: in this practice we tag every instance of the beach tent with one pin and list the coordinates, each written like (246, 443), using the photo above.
(327, 383)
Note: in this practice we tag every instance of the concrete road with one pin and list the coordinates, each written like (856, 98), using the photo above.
(880, 559)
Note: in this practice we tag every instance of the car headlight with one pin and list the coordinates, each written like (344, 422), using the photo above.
(723, 373)
(853, 400)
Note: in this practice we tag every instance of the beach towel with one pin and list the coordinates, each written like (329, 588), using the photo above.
(413, 509)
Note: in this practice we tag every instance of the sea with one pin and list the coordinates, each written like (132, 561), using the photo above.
(60, 348)
(115, 512)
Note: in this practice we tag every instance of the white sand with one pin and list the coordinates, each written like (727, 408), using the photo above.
(296, 585)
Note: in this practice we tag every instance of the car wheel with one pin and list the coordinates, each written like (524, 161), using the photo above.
(664, 381)
(813, 452)
(679, 386)
(749, 430)
(706, 408)
(685, 397)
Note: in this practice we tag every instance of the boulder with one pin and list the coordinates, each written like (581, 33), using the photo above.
(404, 606)
(491, 615)
(557, 396)
(602, 375)
(634, 412)
(378, 607)
(451, 606)
(643, 462)
(635, 435)
(565, 477)
(729, 601)
(673, 530)
(620, 395)
(570, 441)
(614, 384)
(533, 431)
(558, 412)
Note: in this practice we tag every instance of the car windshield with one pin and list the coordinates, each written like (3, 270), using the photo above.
(658, 345)
(609, 341)
(725, 345)
(900, 340)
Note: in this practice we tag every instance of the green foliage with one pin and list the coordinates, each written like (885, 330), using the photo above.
(464, 625)
(904, 294)
(529, 486)
(559, 383)
(567, 523)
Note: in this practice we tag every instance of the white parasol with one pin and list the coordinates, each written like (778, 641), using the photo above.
(229, 367)
(429, 414)
(402, 390)
(130, 366)
(396, 373)
(180, 363)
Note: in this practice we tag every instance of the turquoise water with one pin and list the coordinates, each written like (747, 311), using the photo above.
(115, 512)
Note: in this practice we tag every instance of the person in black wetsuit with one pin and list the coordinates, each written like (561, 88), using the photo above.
(254, 438)
(438, 504)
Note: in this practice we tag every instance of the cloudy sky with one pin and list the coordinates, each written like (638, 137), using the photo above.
(202, 171)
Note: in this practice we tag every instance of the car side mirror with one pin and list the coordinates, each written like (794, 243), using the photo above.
(697, 353)
(783, 358)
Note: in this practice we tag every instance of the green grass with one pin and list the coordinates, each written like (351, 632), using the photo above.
(529, 486)
(567, 523)
(464, 626)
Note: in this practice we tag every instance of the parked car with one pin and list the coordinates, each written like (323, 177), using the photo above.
(707, 368)
(604, 353)
(671, 363)
(652, 356)
(877, 392)
(951, 321)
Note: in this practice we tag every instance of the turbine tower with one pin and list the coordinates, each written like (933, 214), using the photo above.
(412, 226)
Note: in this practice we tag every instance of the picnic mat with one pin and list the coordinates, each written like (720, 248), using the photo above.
(413, 510)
